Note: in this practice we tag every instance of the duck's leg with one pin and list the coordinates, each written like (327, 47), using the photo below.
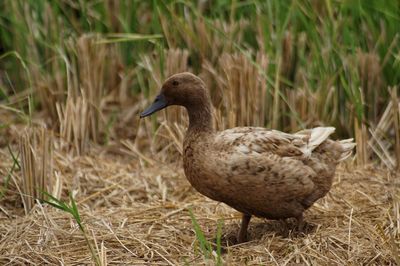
(242, 236)
(285, 227)
(300, 223)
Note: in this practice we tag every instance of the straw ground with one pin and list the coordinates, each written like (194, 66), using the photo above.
(137, 213)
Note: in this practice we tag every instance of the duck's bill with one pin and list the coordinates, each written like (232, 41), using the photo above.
(159, 103)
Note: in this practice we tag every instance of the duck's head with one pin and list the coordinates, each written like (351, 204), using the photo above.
(183, 89)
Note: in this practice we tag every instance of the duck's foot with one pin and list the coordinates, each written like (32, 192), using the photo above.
(242, 235)
(284, 228)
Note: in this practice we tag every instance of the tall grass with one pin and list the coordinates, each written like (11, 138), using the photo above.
(280, 64)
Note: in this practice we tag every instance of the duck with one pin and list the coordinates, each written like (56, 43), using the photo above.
(257, 171)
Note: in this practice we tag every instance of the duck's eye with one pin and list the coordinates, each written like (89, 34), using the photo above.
(175, 83)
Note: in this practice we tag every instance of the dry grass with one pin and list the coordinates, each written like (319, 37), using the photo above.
(35, 147)
(138, 214)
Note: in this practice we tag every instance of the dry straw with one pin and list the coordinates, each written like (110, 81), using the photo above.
(139, 216)
(36, 165)
(385, 135)
(80, 115)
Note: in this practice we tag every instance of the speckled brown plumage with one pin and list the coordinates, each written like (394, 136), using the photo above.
(259, 172)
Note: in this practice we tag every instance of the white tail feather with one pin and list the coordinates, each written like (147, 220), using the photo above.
(317, 136)
(347, 146)
(320, 134)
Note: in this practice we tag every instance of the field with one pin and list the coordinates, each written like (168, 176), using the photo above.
(83, 180)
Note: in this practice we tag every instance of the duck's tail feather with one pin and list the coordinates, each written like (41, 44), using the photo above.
(341, 149)
(315, 137)
(347, 148)
(319, 135)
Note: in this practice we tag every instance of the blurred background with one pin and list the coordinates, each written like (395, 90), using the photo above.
(86, 69)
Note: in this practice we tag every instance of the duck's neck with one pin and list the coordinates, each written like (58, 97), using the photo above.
(200, 118)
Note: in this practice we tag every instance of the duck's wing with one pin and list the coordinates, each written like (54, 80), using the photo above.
(281, 178)
(265, 161)
(260, 140)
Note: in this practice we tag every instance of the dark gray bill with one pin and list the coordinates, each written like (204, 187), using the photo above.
(159, 103)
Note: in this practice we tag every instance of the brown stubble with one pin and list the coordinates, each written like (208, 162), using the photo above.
(370, 71)
(80, 117)
(36, 149)
(239, 89)
(396, 124)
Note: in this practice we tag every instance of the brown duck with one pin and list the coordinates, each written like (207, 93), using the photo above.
(266, 173)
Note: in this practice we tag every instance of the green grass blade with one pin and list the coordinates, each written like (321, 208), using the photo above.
(205, 246)
(8, 177)
(74, 209)
(59, 204)
(15, 158)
